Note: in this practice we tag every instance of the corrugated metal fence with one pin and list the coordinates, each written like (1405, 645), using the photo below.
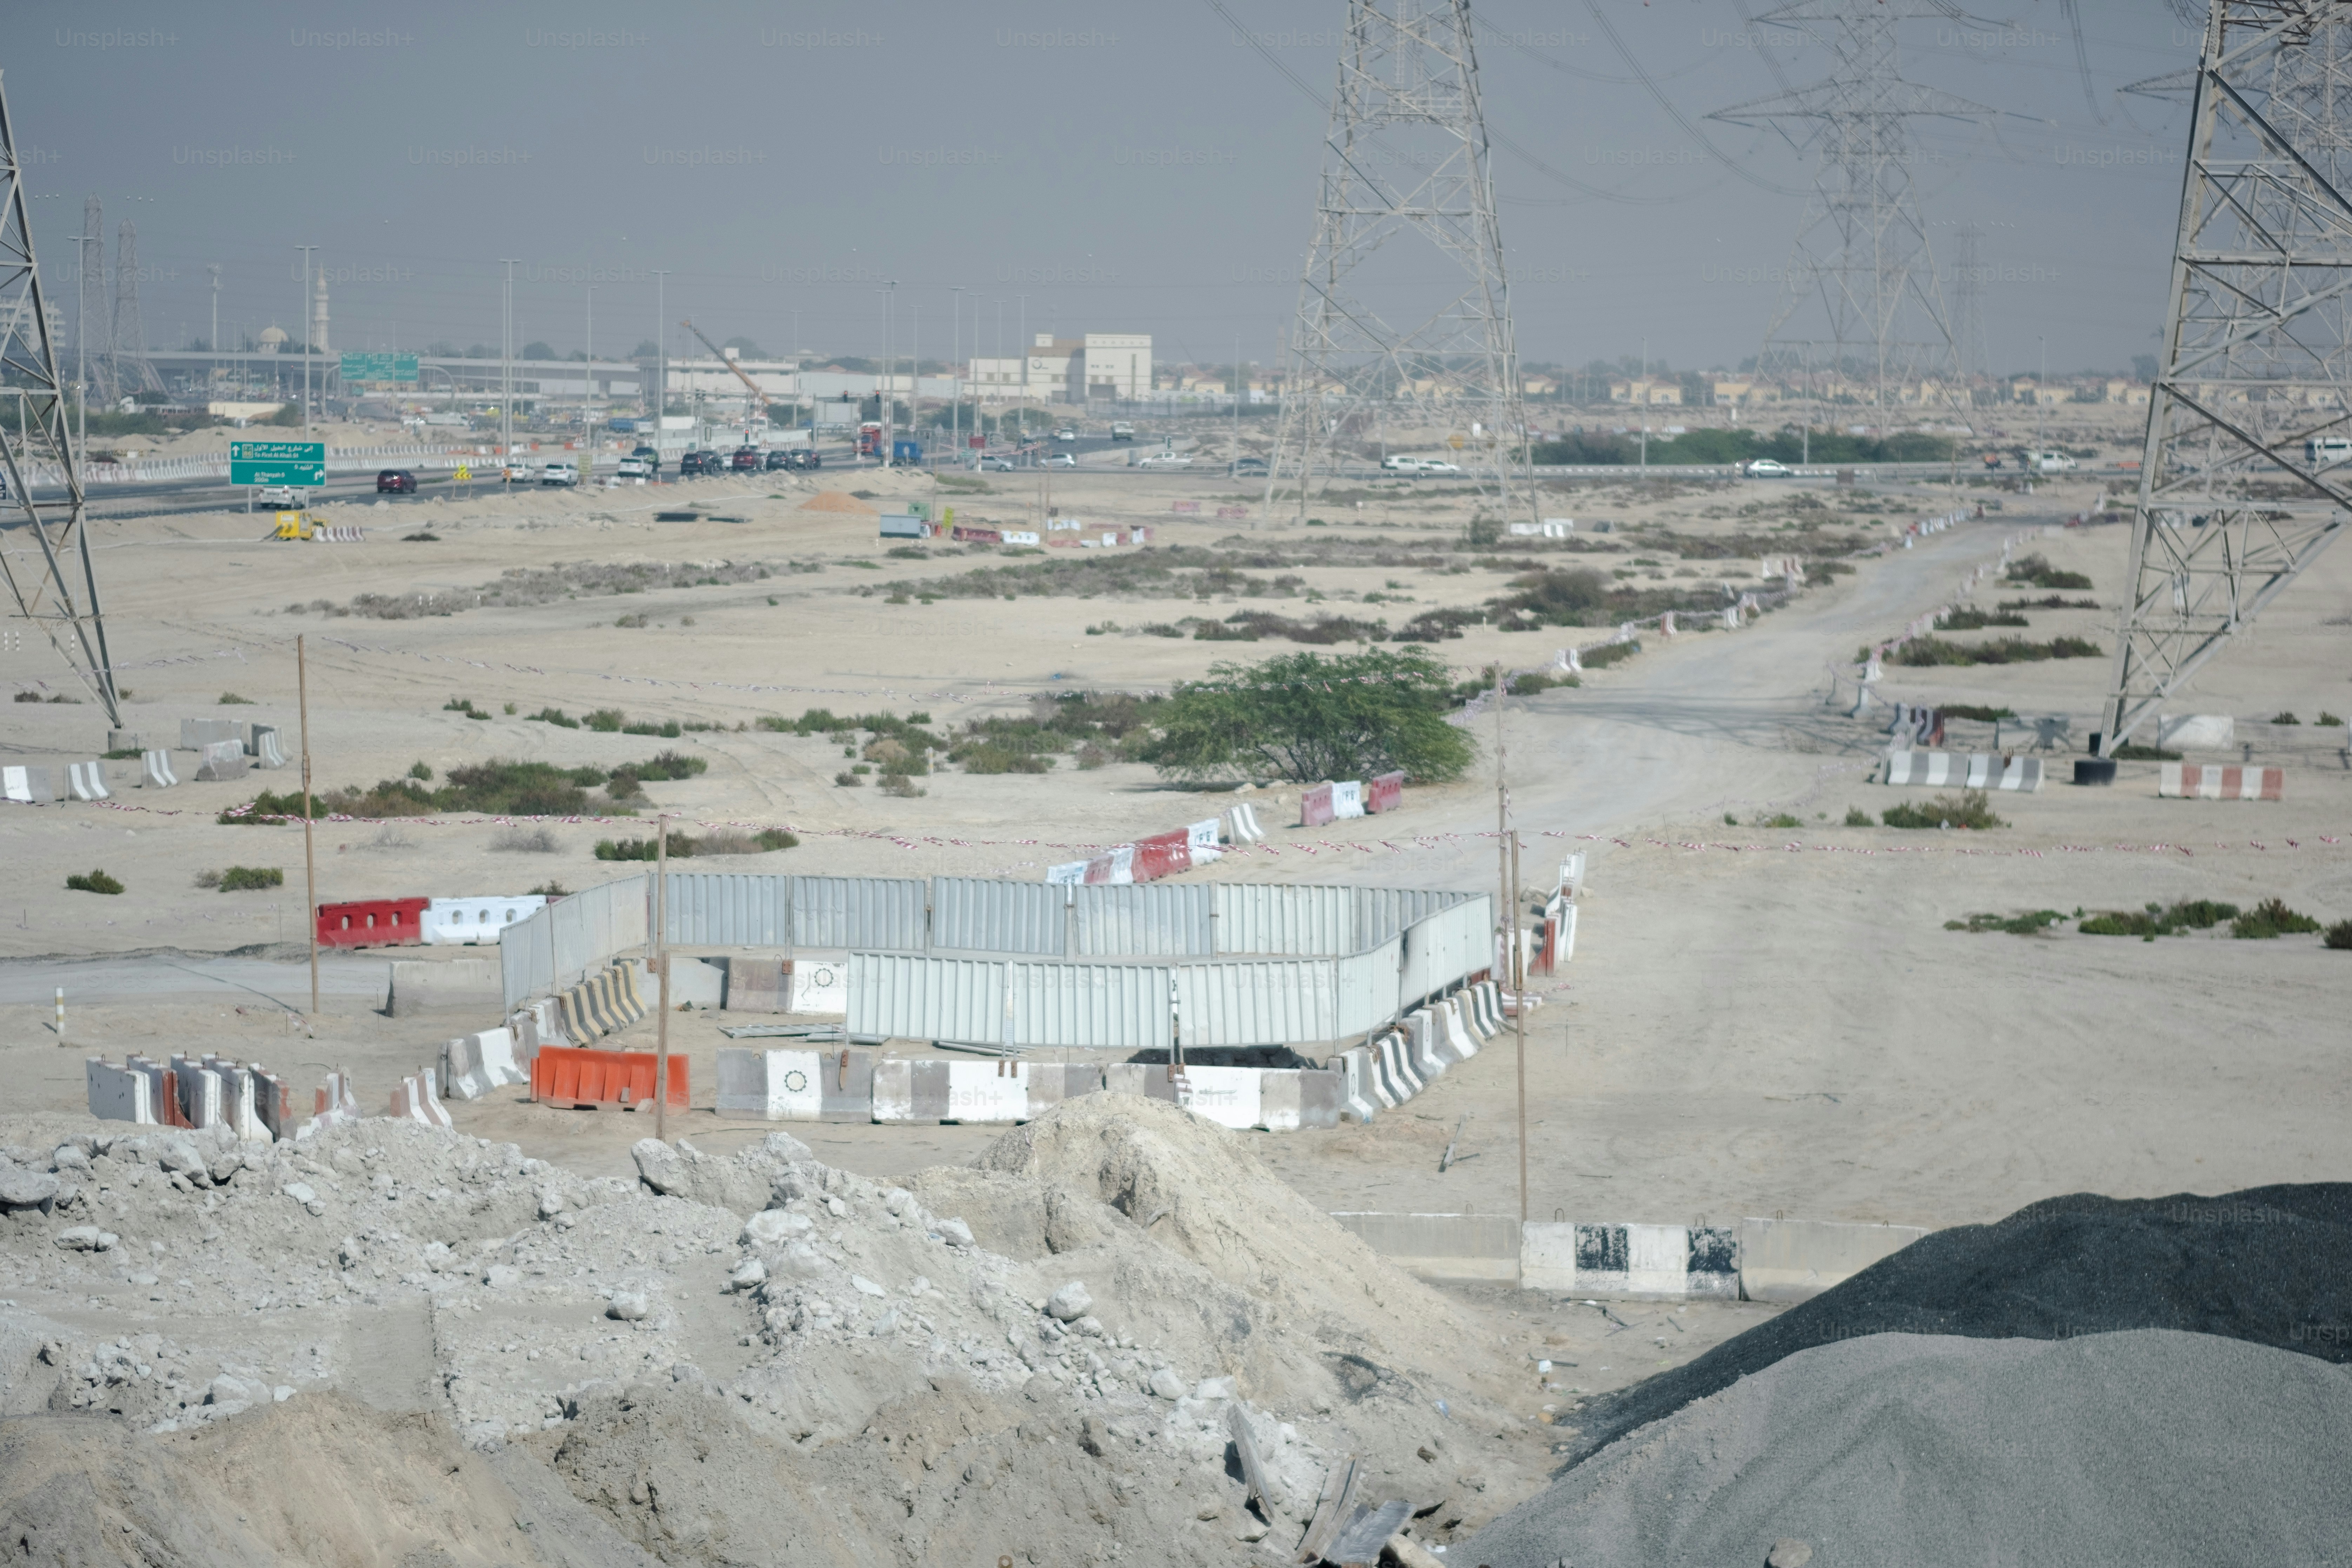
(1022, 964)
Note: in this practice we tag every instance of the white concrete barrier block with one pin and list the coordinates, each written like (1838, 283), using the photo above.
(988, 1092)
(820, 986)
(1227, 1096)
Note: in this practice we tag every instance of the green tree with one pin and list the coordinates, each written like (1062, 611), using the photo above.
(1305, 717)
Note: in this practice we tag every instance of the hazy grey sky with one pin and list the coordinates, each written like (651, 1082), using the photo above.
(1126, 167)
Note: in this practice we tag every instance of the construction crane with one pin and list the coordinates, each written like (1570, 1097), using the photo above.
(721, 355)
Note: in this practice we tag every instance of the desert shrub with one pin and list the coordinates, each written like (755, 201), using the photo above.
(1857, 818)
(2027, 925)
(464, 705)
(773, 838)
(231, 700)
(1607, 654)
(2037, 570)
(523, 841)
(2272, 917)
(93, 882)
(670, 765)
(1969, 619)
(2340, 936)
(2131, 752)
(2160, 920)
(1780, 819)
(1969, 809)
(250, 878)
(1927, 651)
(849, 780)
(1976, 710)
(555, 716)
(1306, 717)
(900, 785)
(681, 846)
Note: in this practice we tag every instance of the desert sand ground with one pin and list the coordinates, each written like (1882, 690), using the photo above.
(1746, 1029)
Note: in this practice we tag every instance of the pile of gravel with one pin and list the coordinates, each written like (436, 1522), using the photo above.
(2141, 1447)
(2269, 1265)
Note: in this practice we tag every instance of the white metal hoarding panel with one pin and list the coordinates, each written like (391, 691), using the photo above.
(1440, 948)
(1269, 1003)
(870, 912)
(1112, 1007)
(906, 996)
(1152, 920)
(975, 914)
(524, 960)
(713, 908)
(1384, 913)
(593, 925)
(1305, 921)
(1367, 988)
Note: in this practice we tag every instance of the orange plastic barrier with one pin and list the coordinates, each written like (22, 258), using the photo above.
(560, 1075)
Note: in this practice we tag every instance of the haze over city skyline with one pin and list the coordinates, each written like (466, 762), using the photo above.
(1068, 169)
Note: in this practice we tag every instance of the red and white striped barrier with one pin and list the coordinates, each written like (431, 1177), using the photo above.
(1385, 792)
(2203, 781)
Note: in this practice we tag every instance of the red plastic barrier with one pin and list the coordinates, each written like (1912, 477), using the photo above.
(562, 1074)
(1163, 855)
(372, 922)
(1385, 792)
(1315, 807)
(969, 535)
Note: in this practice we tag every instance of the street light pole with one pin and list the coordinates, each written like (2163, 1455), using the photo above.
(81, 345)
(303, 320)
(955, 347)
(661, 355)
(505, 376)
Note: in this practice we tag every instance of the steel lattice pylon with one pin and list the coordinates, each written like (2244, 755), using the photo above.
(1861, 265)
(2239, 488)
(1405, 181)
(37, 445)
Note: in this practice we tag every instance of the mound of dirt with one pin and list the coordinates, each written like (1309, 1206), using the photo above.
(2271, 1265)
(745, 1358)
(317, 1482)
(2140, 1447)
(837, 500)
(1207, 1200)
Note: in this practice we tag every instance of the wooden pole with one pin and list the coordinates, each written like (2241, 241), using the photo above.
(309, 857)
(661, 958)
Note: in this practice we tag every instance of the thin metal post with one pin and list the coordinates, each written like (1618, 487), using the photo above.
(1519, 1018)
(310, 858)
(661, 959)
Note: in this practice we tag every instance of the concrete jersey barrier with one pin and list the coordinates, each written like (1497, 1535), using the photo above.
(420, 984)
(2195, 780)
(1938, 769)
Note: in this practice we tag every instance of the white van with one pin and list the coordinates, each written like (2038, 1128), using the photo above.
(2049, 463)
(2327, 452)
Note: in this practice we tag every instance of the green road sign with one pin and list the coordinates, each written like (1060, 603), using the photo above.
(278, 462)
(379, 367)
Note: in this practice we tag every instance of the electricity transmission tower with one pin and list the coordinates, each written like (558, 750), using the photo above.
(1970, 350)
(132, 369)
(1406, 185)
(1862, 276)
(2241, 485)
(58, 591)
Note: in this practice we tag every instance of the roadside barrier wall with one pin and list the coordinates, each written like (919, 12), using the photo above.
(87, 781)
(474, 923)
(27, 785)
(565, 1075)
(1979, 771)
(423, 985)
(371, 922)
(2203, 781)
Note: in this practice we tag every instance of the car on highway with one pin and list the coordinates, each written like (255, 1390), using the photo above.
(778, 458)
(747, 459)
(1122, 431)
(1066, 433)
(278, 494)
(803, 457)
(559, 474)
(1248, 467)
(1439, 465)
(1061, 461)
(1765, 469)
(395, 483)
(633, 468)
(2049, 462)
(650, 457)
(1165, 460)
(515, 474)
(700, 463)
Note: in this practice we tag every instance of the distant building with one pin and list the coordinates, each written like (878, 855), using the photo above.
(1098, 366)
(2130, 394)
(1653, 393)
(1539, 386)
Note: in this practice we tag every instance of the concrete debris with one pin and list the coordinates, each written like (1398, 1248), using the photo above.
(815, 1335)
